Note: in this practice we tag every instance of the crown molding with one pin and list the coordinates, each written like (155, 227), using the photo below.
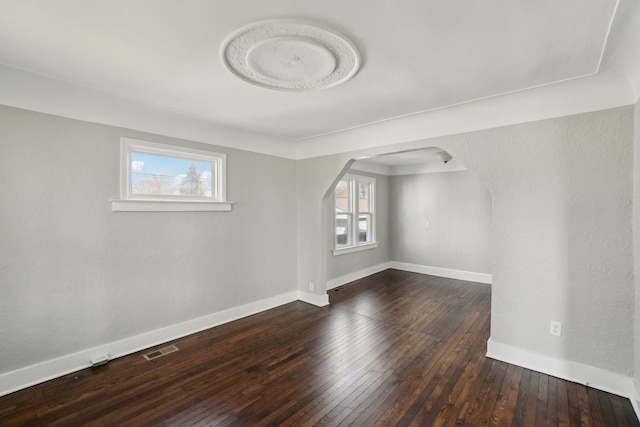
(35, 92)
(43, 94)
(596, 92)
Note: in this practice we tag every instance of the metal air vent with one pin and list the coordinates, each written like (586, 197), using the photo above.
(159, 353)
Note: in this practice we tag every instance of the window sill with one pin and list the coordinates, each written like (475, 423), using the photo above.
(353, 249)
(120, 205)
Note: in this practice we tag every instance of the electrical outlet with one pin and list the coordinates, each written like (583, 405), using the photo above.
(311, 286)
(555, 328)
(427, 225)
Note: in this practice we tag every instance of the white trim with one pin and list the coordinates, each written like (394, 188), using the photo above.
(38, 373)
(635, 398)
(352, 249)
(601, 91)
(40, 93)
(357, 275)
(314, 299)
(606, 37)
(36, 92)
(164, 206)
(444, 272)
(218, 162)
(353, 180)
(601, 379)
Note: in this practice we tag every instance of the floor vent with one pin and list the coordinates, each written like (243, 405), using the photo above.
(159, 353)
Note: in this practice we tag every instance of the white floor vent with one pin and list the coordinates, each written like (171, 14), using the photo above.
(159, 353)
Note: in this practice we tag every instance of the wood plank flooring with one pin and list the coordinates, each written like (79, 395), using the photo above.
(395, 348)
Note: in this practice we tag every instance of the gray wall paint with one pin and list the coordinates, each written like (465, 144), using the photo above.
(636, 236)
(74, 275)
(458, 207)
(341, 265)
(562, 237)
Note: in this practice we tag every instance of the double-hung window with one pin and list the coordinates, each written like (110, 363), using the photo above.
(354, 199)
(159, 177)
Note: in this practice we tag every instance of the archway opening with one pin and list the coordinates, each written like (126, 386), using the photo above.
(431, 216)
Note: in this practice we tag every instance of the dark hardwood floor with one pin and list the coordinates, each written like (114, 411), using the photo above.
(395, 348)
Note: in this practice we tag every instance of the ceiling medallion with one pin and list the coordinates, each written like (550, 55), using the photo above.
(290, 56)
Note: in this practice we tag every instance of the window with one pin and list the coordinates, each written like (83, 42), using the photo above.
(354, 200)
(158, 177)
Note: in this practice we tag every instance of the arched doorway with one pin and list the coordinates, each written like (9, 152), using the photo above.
(432, 216)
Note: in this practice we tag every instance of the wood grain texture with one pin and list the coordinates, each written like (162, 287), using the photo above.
(393, 349)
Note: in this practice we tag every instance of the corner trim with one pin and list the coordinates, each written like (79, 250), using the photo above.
(313, 299)
(356, 275)
(444, 272)
(31, 375)
(601, 379)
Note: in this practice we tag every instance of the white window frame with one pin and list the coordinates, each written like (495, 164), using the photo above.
(144, 203)
(356, 245)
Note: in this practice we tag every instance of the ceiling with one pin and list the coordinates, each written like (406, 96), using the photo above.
(416, 56)
(426, 160)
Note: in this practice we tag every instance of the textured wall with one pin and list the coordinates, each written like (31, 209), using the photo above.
(636, 238)
(562, 237)
(341, 265)
(458, 207)
(562, 211)
(74, 275)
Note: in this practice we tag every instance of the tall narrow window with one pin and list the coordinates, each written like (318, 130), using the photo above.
(354, 212)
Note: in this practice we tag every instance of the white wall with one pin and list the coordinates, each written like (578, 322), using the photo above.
(74, 275)
(562, 238)
(457, 207)
(562, 193)
(636, 249)
(346, 264)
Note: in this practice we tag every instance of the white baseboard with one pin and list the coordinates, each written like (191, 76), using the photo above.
(443, 272)
(356, 275)
(635, 398)
(38, 373)
(608, 381)
(315, 299)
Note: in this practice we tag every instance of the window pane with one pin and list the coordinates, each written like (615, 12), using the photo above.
(170, 176)
(343, 230)
(364, 228)
(364, 196)
(342, 197)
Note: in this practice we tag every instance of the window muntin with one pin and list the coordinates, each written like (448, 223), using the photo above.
(365, 210)
(354, 212)
(158, 172)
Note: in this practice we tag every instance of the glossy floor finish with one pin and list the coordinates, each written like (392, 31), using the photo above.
(395, 348)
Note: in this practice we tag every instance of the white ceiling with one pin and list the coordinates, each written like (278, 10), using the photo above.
(426, 160)
(417, 55)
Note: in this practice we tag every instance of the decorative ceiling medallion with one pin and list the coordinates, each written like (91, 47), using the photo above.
(290, 56)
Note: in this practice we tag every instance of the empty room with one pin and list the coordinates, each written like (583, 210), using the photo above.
(319, 213)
